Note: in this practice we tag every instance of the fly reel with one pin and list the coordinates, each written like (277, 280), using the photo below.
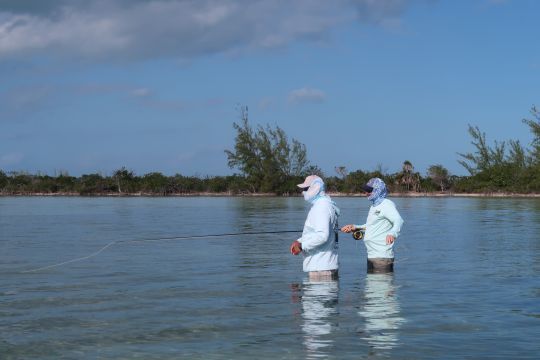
(358, 234)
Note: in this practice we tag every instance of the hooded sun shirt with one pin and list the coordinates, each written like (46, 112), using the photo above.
(319, 239)
(383, 219)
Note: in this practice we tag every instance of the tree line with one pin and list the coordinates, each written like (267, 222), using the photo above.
(268, 162)
(125, 182)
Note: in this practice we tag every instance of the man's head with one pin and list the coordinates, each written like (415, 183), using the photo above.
(376, 190)
(312, 187)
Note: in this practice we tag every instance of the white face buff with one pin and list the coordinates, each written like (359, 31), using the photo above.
(312, 191)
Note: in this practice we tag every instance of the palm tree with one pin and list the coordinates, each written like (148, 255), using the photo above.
(408, 177)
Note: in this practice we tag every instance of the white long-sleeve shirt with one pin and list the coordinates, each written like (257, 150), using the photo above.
(319, 240)
(382, 220)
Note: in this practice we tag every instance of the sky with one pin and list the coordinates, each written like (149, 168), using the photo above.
(90, 86)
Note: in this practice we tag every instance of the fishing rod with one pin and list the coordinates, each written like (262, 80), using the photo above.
(158, 239)
(212, 235)
(357, 234)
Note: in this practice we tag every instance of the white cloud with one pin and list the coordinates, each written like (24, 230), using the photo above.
(120, 29)
(306, 94)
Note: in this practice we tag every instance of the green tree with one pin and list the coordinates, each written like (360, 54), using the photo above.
(237, 184)
(439, 175)
(312, 170)
(180, 184)
(155, 183)
(534, 126)
(65, 183)
(216, 184)
(495, 168)
(354, 181)
(92, 184)
(21, 182)
(124, 178)
(265, 156)
(3, 181)
(485, 157)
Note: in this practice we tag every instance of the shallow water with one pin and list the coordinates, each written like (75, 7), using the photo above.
(466, 281)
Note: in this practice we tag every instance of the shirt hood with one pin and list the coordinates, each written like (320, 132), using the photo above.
(379, 192)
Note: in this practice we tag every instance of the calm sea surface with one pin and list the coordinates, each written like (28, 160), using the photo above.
(466, 281)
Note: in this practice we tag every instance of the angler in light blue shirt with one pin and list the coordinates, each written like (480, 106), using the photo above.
(382, 227)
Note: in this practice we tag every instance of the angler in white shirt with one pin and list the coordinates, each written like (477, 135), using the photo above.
(319, 242)
(382, 227)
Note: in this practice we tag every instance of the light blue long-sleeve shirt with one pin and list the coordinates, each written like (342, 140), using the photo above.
(382, 220)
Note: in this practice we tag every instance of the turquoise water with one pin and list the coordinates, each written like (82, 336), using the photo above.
(466, 282)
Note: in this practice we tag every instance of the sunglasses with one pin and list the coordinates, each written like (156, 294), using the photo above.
(305, 189)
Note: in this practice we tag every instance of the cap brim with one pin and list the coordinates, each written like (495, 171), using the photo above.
(303, 185)
(367, 188)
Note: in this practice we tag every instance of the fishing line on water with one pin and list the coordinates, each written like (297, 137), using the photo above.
(156, 239)
(72, 260)
(159, 239)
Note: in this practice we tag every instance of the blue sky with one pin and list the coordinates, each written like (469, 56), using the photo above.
(154, 85)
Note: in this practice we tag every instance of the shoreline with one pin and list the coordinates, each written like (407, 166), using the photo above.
(331, 194)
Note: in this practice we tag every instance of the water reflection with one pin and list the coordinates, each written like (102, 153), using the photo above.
(319, 317)
(381, 312)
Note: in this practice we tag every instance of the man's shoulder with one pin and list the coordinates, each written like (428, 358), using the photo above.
(387, 203)
(323, 203)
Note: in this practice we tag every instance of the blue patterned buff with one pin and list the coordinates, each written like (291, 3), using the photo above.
(379, 191)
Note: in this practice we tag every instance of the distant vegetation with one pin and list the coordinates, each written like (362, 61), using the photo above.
(269, 163)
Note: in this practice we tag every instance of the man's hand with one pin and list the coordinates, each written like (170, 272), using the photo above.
(348, 228)
(389, 239)
(296, 247)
